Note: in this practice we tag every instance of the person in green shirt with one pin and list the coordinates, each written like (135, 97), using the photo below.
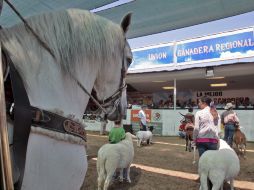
(117, 133)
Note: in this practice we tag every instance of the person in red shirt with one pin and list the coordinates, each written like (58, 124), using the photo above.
(181, 131)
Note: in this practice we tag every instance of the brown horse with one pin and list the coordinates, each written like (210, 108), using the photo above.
(239, 140)
(189, 127)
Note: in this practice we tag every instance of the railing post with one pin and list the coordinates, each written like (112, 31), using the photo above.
(5, 160)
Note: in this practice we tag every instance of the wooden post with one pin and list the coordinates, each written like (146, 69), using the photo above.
(5, 160)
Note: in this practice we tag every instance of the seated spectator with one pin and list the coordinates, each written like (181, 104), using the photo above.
(220, 104)
(246, 101)
(168, 103)
(178, 104)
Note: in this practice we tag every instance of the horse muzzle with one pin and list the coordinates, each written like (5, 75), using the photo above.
(115, 113)
(118, 112)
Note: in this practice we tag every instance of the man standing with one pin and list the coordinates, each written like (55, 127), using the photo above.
(229, 120)
(142, 117)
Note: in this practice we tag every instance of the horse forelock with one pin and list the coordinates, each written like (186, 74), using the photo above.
(75, 37)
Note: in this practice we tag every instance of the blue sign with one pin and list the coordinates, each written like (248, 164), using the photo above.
(152, 57)
(226, 47)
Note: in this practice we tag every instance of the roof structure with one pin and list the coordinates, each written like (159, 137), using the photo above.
(149, 16)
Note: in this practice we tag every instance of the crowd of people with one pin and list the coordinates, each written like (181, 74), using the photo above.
(219, 103)
(207, 125)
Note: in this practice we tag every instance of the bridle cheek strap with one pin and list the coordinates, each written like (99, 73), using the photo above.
(112, 101)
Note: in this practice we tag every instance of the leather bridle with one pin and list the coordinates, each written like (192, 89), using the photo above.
(112, 101)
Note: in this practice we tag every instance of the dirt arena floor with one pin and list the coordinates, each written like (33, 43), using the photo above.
(164, 165)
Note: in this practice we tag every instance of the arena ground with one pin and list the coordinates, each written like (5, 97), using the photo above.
(164, 165)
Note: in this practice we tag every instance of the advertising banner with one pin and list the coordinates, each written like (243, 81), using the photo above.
(203, 51)
(134, 115)
(224, 47)
(155, 118)
(152, 57)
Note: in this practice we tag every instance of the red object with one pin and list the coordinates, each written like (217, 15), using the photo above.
(182, 127)
(134, 115)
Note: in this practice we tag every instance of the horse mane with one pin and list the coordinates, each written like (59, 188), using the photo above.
(75, 36)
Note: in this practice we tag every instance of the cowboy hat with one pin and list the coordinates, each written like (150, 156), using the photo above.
(228, 106)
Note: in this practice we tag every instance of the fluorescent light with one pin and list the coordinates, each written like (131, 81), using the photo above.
(111, 5)
(214, 78)
(168, 87)
(218, 84)
(159, 81)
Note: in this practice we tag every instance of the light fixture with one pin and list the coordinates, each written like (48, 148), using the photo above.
(159, 81)
(214, 78)
(218, 85)
(168, 87)
(209, 72)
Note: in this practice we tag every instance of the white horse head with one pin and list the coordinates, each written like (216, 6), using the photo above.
(88, 52)
(86, 46)
(122, 57)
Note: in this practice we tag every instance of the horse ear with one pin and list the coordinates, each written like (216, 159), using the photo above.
(125, 23)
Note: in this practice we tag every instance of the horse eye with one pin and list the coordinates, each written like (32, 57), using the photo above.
(129, 61)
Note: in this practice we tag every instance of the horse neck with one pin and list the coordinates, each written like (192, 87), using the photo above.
(50, 89)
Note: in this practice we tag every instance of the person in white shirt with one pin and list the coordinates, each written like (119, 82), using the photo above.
(142, 117)
(206, 130)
